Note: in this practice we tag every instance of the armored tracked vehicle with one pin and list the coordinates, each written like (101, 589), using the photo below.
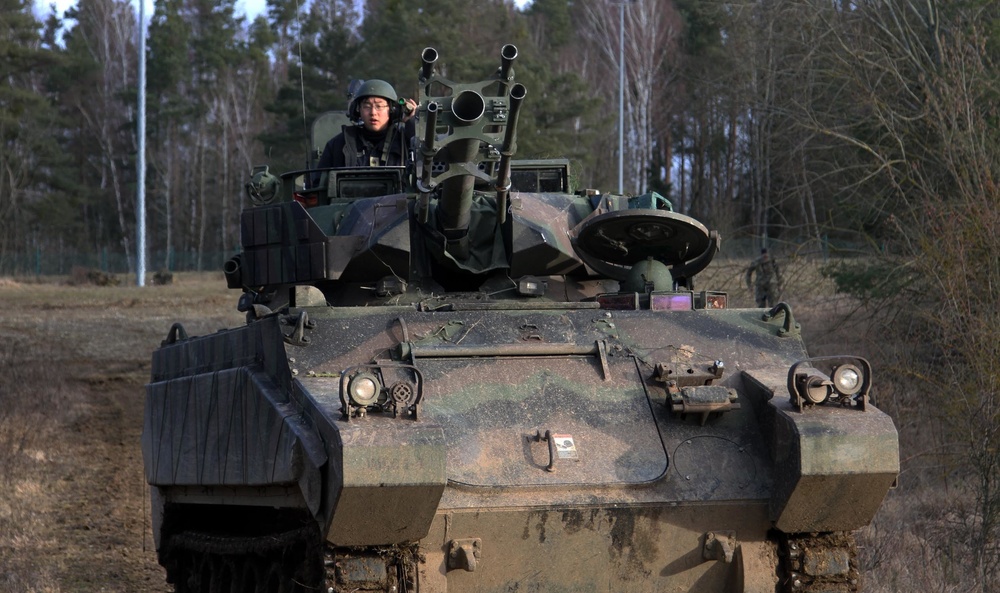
(466, 376)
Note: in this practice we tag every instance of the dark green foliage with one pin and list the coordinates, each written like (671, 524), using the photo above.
(702, 27)
(213, 42)
(466, 33)
(330, 47)
(29, 124)
(873, 279)
(167, 66)
(92, 206)
(554, 20)
(554, 121)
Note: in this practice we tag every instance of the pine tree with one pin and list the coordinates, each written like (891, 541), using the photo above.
(329, 49)
(96, 83)
(207, 77)
(29, 154)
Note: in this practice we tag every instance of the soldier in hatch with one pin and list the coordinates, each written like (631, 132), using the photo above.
(382, 134)
(767, 287)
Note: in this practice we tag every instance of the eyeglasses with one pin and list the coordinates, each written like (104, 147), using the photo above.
(370, 106)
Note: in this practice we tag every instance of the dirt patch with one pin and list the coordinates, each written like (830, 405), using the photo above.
(74, 509)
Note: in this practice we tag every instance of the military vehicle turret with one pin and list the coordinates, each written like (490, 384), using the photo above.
(465, 375)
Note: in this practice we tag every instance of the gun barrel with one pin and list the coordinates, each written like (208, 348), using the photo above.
(517, 94)
(507, 55)
(429, 150)
(478, 122)
(427, 59)
(468, 106)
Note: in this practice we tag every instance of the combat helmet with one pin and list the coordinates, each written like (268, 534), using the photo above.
(374, 88)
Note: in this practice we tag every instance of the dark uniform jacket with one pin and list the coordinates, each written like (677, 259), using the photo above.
(357, 147)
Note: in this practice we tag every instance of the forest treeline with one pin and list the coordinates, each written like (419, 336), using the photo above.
(762, 119)
(785, 122)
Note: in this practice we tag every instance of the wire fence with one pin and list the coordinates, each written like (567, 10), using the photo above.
(64, 263)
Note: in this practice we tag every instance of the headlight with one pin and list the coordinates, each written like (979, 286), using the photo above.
(364, 389)
(380, 388)
(843, 380)
(847, 379)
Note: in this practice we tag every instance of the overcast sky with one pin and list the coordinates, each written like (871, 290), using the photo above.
(251, 8)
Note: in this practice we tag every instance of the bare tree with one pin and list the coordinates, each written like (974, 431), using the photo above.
(900, 101)
(651, 34)
(107, 30)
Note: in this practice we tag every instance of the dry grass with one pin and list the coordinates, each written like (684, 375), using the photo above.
(73, 361)
(34, 405)
(831, 323)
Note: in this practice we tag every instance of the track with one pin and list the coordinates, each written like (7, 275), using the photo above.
(288, 562)
(292, 561)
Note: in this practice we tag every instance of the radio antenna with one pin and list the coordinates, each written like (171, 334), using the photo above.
(302, 83)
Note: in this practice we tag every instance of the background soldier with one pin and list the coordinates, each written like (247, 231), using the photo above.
(767, 288)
